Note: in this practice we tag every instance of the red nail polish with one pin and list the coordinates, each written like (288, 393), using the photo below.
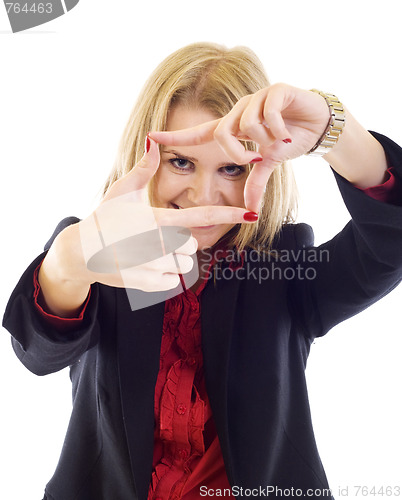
(287, 141)
(147, 144)
(250, 216)
(256, 160)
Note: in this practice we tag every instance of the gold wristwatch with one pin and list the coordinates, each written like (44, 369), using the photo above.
(334, 128)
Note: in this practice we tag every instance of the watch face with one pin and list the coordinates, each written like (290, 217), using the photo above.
(30, 13)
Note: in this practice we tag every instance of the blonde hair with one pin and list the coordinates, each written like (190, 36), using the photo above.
(211, 77)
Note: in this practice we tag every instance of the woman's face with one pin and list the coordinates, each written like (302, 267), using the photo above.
(193, 176)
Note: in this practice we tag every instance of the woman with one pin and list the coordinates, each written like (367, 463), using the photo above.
(204, 393)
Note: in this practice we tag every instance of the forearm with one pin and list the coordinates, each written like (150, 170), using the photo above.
(358, 157)
(62, 277)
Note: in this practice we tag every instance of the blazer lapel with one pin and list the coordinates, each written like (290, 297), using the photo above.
(138, 345)
(217, 320)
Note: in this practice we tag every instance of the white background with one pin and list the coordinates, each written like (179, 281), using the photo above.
(66, 90)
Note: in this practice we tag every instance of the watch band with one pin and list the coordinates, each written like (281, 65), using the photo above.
(334, 128)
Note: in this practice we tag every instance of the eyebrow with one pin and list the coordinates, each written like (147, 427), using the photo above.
(195, 160)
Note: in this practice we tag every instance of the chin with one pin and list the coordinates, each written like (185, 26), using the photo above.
(210, 238)
(204, 242)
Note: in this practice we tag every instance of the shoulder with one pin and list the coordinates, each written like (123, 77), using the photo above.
(293, 236)
(59, 228)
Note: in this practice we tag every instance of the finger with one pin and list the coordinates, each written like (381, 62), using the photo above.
(189, 248)
(276, 101)
(149, 281)
(200, 134)
(140, 175)
(200, 216)
(228, 132)
(256, 183)
(146, 168)
(141, 279)
(252, 124)
(185, 263)
(175, 264)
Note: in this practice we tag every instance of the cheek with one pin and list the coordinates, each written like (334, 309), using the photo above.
(162, 188)
(237, 195)
(157, 192)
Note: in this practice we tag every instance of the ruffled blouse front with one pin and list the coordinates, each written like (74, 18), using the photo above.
(187, 453)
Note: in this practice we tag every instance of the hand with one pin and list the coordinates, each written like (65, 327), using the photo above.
(284, 121)
(121, 241)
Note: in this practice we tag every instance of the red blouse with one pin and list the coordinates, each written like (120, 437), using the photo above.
(187, 453)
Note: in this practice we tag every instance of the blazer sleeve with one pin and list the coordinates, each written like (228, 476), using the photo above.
(39, 346)
(358, 266)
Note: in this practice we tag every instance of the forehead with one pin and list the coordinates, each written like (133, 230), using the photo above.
(210, 154)
(180, 117)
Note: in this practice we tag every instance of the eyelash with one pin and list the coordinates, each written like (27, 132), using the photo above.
(240, 168)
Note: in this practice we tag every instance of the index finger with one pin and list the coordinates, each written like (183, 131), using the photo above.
(256, 184)
(209, 215)
(199, 134)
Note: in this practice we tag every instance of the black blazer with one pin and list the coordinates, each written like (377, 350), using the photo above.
(256, 336)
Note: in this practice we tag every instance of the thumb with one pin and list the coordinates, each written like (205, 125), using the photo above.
(140, 175)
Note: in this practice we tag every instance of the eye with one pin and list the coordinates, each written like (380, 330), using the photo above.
(233, 170)
(180, 163)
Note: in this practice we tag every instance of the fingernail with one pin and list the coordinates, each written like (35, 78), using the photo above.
(287, 141)
(256, 160)
(147, 144)
(250, 216)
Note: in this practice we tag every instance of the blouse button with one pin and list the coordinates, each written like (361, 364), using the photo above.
(181, 409)
(183, 454)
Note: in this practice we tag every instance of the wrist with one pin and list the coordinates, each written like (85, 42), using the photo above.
(65, 261)
(63, 278)
(358, 156)
(335, 125)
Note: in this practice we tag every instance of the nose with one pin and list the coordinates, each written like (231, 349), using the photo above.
(204, 190)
